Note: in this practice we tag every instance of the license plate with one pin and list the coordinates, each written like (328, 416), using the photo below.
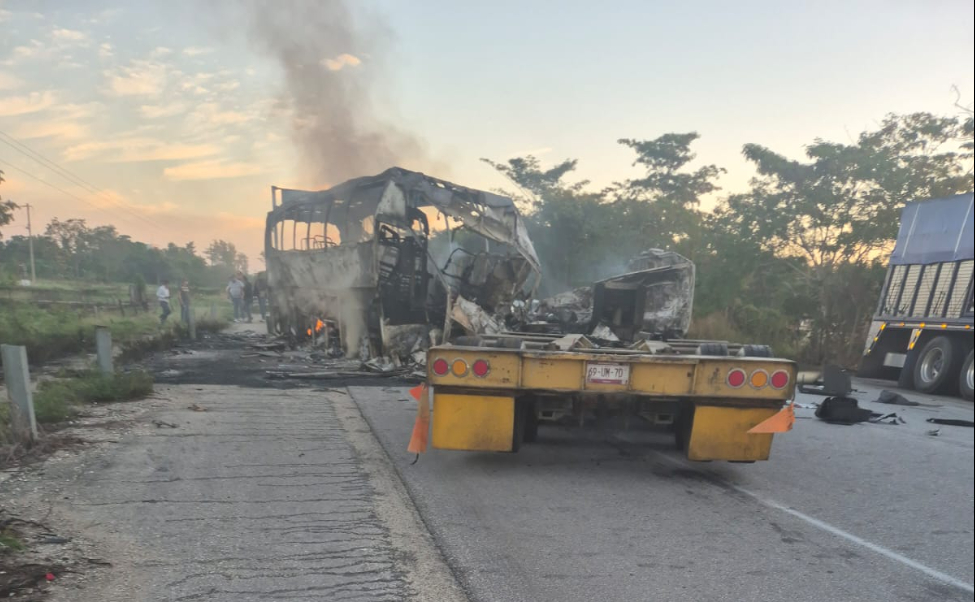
(607, 374)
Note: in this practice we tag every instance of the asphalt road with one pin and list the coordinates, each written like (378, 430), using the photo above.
(868, 512)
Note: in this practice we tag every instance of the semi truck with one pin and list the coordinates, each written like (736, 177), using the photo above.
(921, 334)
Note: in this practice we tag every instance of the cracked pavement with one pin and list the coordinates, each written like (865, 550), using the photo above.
(266, 495)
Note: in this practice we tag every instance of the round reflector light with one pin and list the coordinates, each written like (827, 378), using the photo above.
(441, 367)
(758, 379)
(736, 378)
(780, 379)
(481, 368)
(459, 367)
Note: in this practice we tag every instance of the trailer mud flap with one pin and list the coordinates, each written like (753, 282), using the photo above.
(474, 422)
(721, 433)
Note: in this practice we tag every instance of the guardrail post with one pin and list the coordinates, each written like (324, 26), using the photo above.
(17, 378)
(103, 349)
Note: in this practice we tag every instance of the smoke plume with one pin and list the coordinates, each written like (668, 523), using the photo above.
(332, 69)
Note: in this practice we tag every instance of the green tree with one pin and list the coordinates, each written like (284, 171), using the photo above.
(837, 214)
(6, 209)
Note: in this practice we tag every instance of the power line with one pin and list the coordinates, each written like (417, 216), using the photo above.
(68, 175)
(55, 187)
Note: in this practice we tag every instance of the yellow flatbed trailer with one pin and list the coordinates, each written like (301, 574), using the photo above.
(492, 399)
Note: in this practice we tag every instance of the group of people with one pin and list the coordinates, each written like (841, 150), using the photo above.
(240, 290)
(162, 295)
(242, 294)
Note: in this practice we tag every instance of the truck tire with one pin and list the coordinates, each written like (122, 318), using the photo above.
(965, 378)
(933, 370)
(718, 349)
(755, 351)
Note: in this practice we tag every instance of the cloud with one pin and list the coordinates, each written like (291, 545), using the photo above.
(161, 51)
(133, 150)
(63, 121)
(341, 61)
(105, 50)
(239, 222)
(211, 170)
(31, 50)
(62, 34)
(196, 50)
(209, 114)
(157, 111)
(138, 78)
(535, 152)
(9, 81)
(22, 105)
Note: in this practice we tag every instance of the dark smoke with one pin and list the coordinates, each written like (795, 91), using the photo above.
(330, 95)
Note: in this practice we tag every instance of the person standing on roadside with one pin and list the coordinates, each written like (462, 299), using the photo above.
(184, 301)
(162, 294)
(235, 290)
(248, 299)
(260, 290)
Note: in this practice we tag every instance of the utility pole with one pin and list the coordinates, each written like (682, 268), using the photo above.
(30, 245)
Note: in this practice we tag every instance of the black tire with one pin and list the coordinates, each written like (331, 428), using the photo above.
(755, 351)
(934, 367)
(718, 349)
(965, 377)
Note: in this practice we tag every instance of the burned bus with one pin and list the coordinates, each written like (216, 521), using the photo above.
(381, 261)
(922, 333)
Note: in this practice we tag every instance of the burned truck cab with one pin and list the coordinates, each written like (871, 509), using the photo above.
(362, 261)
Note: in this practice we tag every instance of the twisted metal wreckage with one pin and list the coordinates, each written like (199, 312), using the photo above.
(358, 268)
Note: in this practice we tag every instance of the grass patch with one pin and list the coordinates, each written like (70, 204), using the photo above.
(61, 399)
(51, 333)
(9, 542)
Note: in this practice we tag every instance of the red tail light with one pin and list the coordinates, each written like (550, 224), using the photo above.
(481, 368)
(736, 377)
(441, 367)
(780, 379)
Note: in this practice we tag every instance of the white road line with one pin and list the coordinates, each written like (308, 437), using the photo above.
(930, 572)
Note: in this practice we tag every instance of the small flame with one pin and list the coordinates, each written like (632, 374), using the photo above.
(319, 325)
(309, 332)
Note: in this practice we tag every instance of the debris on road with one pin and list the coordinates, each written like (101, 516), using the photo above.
(842, 410)
(934, 433)
(890, 397)
(952, 422)
(833, 382)
(891, 418)
(163, 424)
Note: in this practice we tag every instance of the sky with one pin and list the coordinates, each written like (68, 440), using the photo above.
(171, 120)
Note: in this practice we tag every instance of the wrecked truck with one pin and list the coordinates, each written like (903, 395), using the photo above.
(373, 266)
(613, 352)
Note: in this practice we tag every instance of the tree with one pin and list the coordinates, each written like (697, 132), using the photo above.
(222, 253)
(662, 204)
(6, 209)
(838, 213)
(569, 227)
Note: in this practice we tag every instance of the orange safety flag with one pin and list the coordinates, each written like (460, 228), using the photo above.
(421, 428)
(780, 422)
